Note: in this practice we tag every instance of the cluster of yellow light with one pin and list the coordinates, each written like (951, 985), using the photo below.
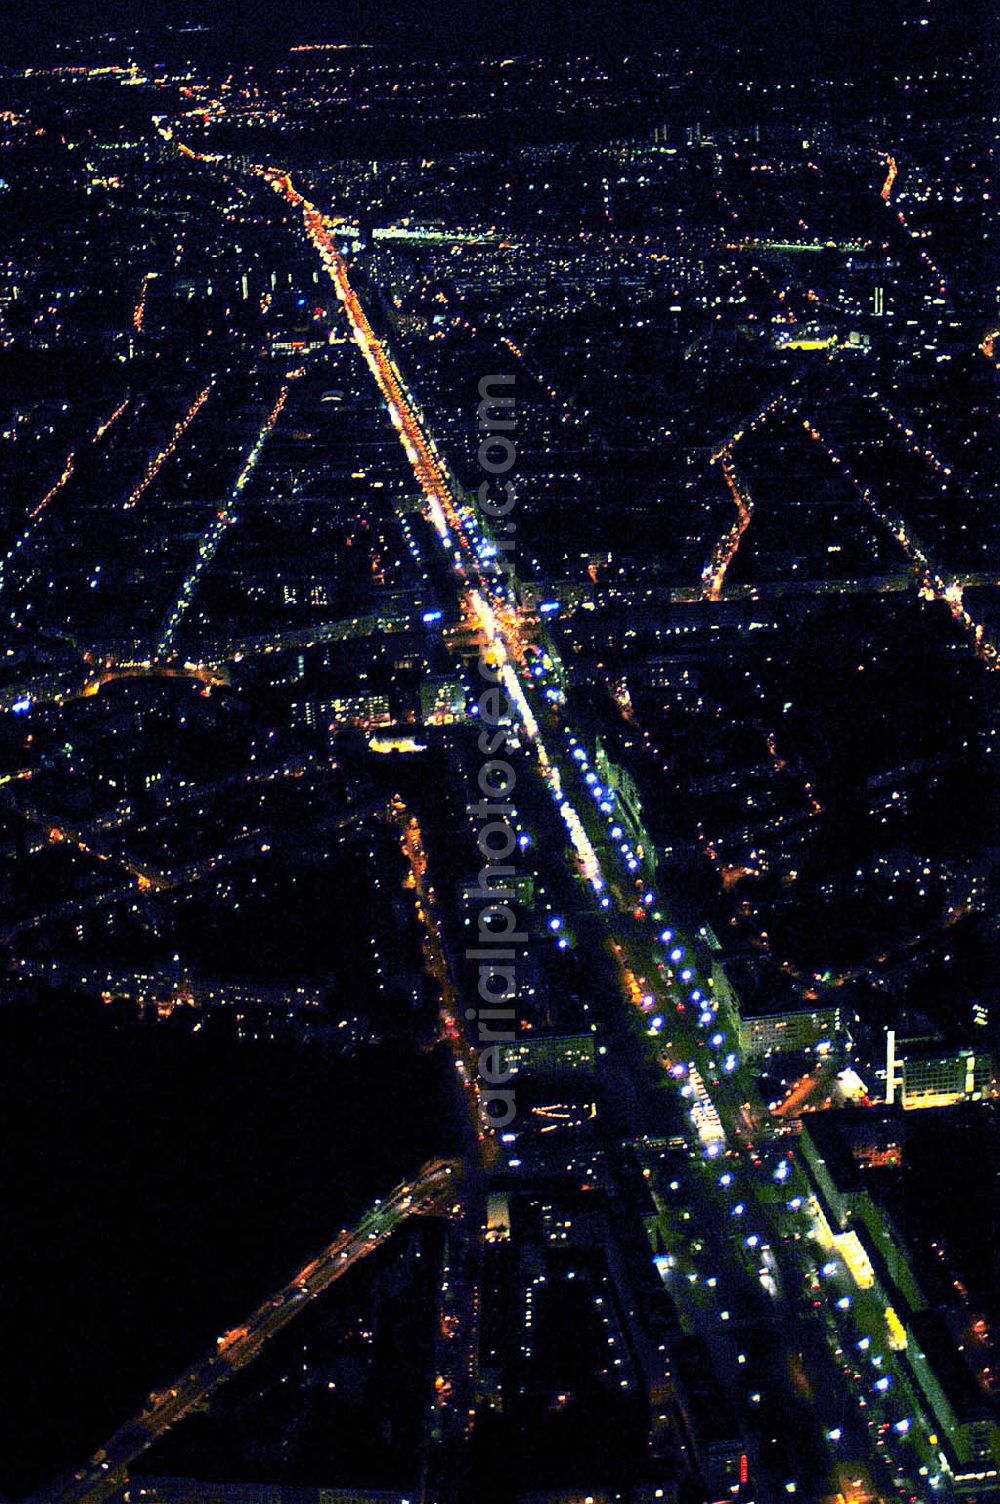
(714, 575)
(53, 491)
(385, 744)
(516, 694)
(850, 1248)
(139, 315)
(452, 1032)
(102, 428)
(896, 1330)
(586, 855)
(810, 342)
(501, 638)
(425, 465)
(180, 429)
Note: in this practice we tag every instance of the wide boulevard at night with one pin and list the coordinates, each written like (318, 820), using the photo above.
(500, 754)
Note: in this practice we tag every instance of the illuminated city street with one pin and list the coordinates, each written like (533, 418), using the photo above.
(500, 589)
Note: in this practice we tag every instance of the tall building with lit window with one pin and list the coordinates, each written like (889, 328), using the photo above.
(922, 1073)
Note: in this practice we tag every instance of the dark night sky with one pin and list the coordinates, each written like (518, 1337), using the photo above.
(848, 31)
